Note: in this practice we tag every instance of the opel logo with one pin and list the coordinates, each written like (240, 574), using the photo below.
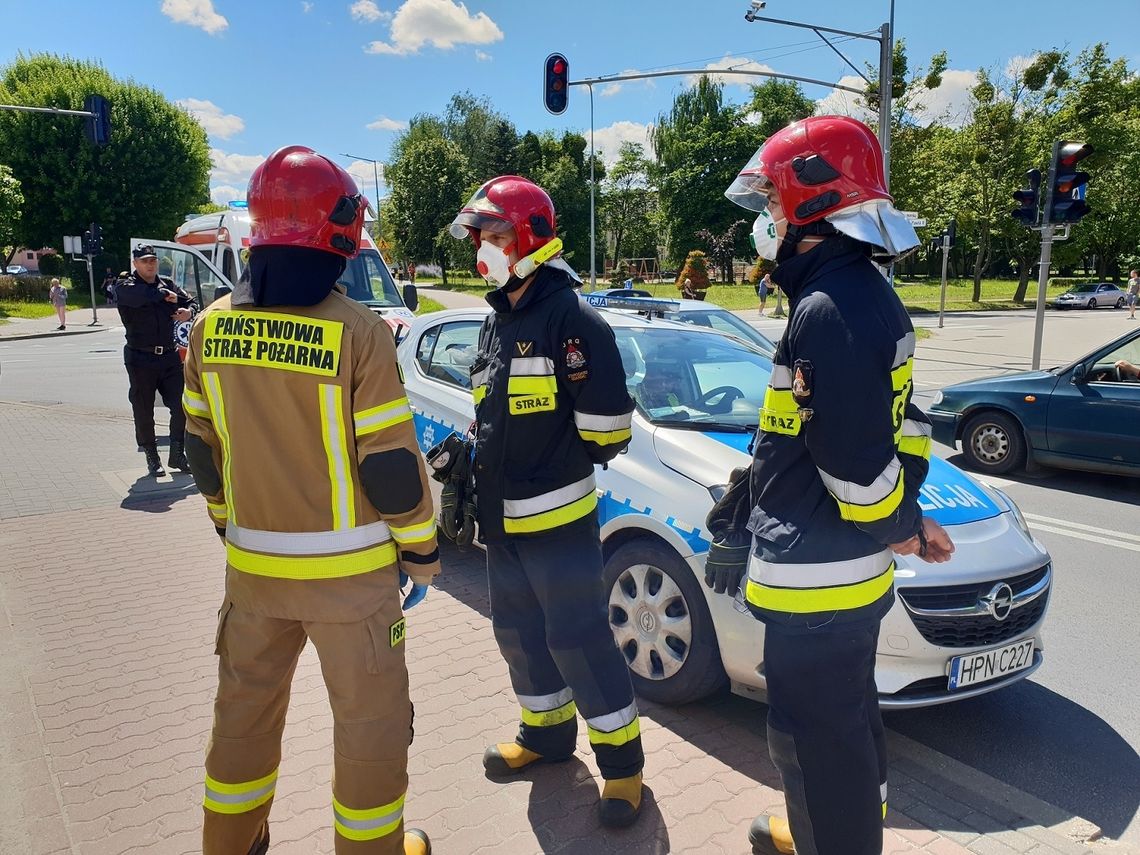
(999, 601)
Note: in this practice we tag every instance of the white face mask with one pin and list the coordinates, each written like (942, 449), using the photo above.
(764, 236)
(493, 264)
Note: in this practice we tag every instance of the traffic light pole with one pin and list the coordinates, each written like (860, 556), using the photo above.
(91, 282)
(1042, 284)
(945, 261)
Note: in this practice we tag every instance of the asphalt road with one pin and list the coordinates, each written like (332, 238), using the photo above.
(1070, 733)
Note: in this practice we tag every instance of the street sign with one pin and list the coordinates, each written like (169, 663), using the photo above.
(72, 245)
(912, 216)
(917, 223)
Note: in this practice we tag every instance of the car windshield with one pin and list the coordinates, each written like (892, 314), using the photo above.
(1084, 289)
(693, 380)
(367, 279)
(725, 321)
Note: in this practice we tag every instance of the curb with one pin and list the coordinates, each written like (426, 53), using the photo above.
(50, 334)
(966, 787)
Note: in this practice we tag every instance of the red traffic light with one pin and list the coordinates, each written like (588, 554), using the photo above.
(559, 67)
(1073, 152)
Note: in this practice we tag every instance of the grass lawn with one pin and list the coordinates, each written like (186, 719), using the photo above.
(80, 299)
(428, 305)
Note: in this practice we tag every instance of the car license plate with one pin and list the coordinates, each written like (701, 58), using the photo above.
(990, 664)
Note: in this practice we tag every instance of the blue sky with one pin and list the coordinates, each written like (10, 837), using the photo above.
(346, 75)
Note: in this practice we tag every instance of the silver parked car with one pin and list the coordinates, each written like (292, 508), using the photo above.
(1091, 295)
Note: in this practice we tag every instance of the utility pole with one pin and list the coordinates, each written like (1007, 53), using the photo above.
(1042, 286)
(375, 184)
(945, 260)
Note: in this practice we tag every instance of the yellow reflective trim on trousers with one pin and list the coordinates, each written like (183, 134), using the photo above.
(616, 737)
(312, 566)
(605, 437)
(239, 798)
(369, 823)
(213, 387)
(532, 385)
(194, 403)
(549, 718)
(780, 413)
(552, 519)
(879, 510)
(918, 446)
(334, 435)
(807, 600)
(479, 393)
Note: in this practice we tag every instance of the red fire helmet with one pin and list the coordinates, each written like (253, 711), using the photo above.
(818, 166)
(300, 198)
(504, 203)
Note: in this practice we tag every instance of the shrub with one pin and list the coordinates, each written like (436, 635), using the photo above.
(696, 270)
(52, 264)
(25, 289)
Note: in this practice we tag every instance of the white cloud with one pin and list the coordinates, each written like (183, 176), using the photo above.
(386, 124)
(611, 89)
(439, 23)
(608, 140)
(1017, 65)
(483, 56)
(233, 168)
(840, 103)
(734, 62)
(950, 102)
(306, 6)
(196, 13)
(226, 193)
(361, 171)
(210, 116)
(367, 11)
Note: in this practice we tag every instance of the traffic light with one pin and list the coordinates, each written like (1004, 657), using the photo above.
(1027, 200)
(93, 240)
(556, 83)
(1066, 198)
(97, 128)
(952, 233)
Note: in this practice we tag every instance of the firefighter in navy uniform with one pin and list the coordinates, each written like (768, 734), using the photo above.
(151, 306)
(839, 458)
(551, 403)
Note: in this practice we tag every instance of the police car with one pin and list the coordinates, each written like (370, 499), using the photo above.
(959, 629)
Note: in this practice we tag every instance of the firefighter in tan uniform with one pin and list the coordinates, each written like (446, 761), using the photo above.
(300, 437)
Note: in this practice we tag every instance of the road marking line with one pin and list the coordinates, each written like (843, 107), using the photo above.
(1134, 547)
(996, 482)
(1082, 527)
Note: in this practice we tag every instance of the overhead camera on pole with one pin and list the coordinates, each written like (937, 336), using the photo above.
(757, 5)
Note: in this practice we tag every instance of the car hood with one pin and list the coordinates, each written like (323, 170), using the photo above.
(1005, 383)
(948, 495)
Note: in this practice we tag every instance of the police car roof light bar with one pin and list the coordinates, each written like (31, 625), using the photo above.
(633, 304)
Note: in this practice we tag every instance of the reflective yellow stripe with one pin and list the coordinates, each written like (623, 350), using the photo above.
(875, 511)
(606, 437)
(532, 385)
(239, 798)
(918, 446)
(384, 416)
(369, 823)
(219, 513)
(549, 718)
(479, 393)
(194, 403)
(806, 600)
(213, 387)
(902, 387)
(780, 413)
(616, 737)
(417, 533)
(312, 566)
(552, 519)
(336, 450)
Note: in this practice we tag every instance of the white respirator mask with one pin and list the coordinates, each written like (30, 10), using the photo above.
(493, 264)
(764, 239)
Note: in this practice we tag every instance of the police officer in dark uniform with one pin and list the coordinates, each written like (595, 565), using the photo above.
(550, 403)
(151, 306)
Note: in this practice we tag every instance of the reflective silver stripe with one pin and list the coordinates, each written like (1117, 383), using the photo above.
(610, 722)
(336, 447)
(912, 428)
(856, 494)
(590, 421)
(368, 824)
(381, 417)
(549, 501)
(823, 575)
(480, 377)
(904, 349)
(883, 791)
(414, 533)
(308, 542)
(546, 703)
(240, 798)
(781, 377)
(532, 365)
(195, 404)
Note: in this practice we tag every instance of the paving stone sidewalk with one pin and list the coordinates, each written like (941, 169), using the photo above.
(107, 619)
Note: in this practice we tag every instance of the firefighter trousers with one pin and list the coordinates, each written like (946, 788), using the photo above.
(825, 735)
(549, 615)
(367, 681)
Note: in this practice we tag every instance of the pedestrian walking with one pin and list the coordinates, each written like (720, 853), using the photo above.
(150, 307)
(762, 288)
(550, 404)
(109, 280)
(840, 455)
(58, 297)
(300, 437)
(1133, 293)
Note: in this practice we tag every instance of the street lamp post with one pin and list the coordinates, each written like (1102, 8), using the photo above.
(376, 184)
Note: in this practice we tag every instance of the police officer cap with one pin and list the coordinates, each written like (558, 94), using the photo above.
(144, 250)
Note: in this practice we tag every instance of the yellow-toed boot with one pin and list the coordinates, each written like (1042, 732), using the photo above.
(770, 835)
(510, 758)
(621, 801)
(416, 842)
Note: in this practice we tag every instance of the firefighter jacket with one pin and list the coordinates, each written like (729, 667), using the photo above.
(550, 402)
(148, 318)
(841, 451)
(300, 436)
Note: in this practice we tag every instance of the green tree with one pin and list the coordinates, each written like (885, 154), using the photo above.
(777, 103)
(528, 155)
(629, 205)
(155, 169)
(428, 182)
(11, 205)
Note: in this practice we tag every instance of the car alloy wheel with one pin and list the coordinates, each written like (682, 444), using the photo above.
(651, 622)
(1120, 303)
(1092, 303)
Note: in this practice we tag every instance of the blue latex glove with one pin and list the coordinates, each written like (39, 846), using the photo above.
(415, 596)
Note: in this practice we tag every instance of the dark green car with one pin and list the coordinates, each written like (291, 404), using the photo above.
(1085, 415)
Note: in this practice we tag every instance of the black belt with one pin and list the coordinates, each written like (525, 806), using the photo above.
(157, 351)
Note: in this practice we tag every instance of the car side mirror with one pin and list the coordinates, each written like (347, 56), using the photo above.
(221, 291)
(411, 297)
(1078, 375)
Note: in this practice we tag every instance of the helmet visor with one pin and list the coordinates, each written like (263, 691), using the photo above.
(751, 187)
(479, 213)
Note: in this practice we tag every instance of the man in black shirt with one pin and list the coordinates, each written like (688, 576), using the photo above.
(151, 306)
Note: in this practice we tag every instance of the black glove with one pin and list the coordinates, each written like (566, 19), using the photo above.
(726, 565)
(727, 559)
(450, 459)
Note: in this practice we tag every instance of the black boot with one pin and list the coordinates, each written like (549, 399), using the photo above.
(177, 459)
(261, 845)
(153, 462)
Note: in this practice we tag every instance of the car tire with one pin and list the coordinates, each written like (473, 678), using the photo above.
(1120, 303)
(662, 624)
(993, 442)
(1092, 303)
